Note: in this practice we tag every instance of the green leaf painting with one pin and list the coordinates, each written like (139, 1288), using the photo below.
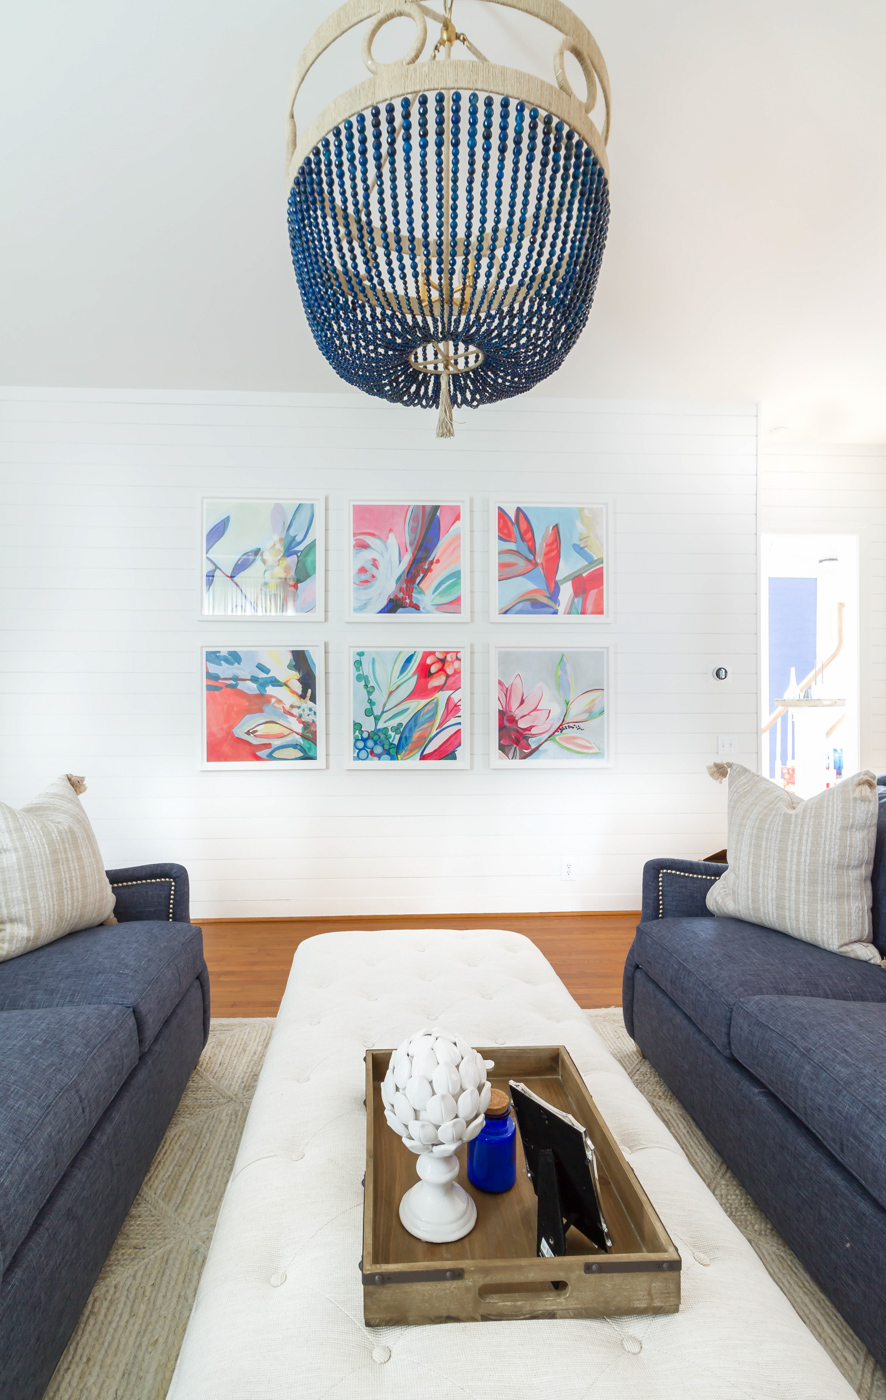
(262, 559)
(406, 707)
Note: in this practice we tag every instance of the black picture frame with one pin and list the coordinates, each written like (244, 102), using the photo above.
(562, 1166)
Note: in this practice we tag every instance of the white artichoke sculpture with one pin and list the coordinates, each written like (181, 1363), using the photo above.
(435, 1092)
(435, 1095)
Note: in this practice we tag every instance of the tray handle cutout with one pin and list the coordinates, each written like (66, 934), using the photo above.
(513, 1292)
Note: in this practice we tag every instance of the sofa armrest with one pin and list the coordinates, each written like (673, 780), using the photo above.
(151, 892)
(677, 888)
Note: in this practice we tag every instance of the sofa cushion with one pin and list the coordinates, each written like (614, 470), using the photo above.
(59, 1071)
(826, 1061)
(707, 965)
(147, 966)
(801, 866)
(51, 875)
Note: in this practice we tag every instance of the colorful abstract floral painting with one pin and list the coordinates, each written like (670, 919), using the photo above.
(264, 705)
(551, 707)
(406, 707)
(263, 559)
(408, 560)
(549, 561)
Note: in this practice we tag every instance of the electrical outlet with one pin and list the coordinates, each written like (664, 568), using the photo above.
(567, 868)
(725, 744)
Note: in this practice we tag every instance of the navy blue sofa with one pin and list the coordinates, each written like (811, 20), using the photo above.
(99, 1033)
(777, 1049)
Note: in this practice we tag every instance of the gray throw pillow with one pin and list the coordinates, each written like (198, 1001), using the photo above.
(52, 880)
(803, 867)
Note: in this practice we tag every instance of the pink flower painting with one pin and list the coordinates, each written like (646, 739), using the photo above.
(551, 707)
(407, 560)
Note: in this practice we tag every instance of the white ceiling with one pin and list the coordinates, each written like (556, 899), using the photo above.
(143, 238)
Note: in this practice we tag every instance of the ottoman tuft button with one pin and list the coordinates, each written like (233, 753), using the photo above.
(632, 1344)
(276, 1279)
(297, 1156)
(701, 1259)
(381, 1354)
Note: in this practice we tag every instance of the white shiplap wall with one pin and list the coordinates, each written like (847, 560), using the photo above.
(832, 491)
(99, 566)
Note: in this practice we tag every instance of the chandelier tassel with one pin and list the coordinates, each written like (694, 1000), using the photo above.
(445, 426)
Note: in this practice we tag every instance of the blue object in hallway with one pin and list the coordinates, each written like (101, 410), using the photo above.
(492, 1154)
(793, 612)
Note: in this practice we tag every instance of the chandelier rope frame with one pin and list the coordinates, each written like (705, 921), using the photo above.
(408, 77)
(445, 351)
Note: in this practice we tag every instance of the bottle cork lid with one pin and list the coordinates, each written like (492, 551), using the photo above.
(499, 1104)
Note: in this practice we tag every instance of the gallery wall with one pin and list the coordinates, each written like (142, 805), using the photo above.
(100, 566)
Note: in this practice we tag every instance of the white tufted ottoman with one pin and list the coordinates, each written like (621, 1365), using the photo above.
(279, 1310)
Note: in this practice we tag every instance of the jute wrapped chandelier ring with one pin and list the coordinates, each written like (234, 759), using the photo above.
(447, 217)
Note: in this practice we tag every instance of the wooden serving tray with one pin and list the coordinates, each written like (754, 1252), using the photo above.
(494, 1273)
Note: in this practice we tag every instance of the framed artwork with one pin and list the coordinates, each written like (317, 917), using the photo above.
(408, 707)
(264, 705)
(408, 560)
(549, 561)
(551, 707)
(262, 559)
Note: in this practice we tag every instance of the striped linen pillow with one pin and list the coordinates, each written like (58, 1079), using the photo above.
(803, 867)
(52, 880)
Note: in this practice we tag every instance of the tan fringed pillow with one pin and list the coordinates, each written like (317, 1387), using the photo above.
(52, 880)
(803, 867)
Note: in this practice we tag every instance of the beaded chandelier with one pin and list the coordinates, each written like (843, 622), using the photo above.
(447, 217)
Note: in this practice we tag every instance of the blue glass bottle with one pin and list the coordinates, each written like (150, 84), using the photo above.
(492, 1154)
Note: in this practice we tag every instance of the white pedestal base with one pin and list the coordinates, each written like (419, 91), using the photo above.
(436, 1208)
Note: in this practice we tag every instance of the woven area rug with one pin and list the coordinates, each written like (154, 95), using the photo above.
(128, 1338)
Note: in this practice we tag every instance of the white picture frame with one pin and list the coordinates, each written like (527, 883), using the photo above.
(246, 595)
(396, 527)
(542, 513)
(219, 730)
(390, 675)
(530, 667)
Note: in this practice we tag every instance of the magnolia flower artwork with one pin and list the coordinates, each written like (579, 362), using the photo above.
(263, 705)
(549, 561)
(551, 707)
(406, 707)
(263, 559)
(408, 560)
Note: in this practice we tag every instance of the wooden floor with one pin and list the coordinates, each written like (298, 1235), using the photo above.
(249, 959)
